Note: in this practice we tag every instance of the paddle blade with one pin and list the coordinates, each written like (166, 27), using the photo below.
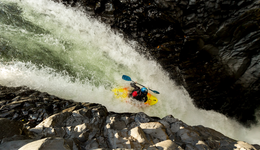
(127, 78)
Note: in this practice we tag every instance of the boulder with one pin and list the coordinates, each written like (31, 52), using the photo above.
(139, 135)
(49, 143)
(14, 145)
(188, 135)
(167, 145)
(155, 129)
(243, 145)
(82, 124)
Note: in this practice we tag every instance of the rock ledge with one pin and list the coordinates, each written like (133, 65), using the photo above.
(62, 125)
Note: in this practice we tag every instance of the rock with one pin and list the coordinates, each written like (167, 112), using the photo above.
(155, 129)
(89, 126)
(14, 145)
(256, 146)
(201, 145)
(116, 140)
(49, 143)
(139, 135)
(56, 120)
(243, 145)
(167, 145)
(188, 135)
(142, 118)
(92, 144)
(10, 128)
(115, 123)
(30, 106)
(7, 114)
(81, 122)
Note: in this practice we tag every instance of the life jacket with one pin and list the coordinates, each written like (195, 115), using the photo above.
(134, 94)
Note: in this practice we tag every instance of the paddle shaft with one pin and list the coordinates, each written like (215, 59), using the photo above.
(127, 78)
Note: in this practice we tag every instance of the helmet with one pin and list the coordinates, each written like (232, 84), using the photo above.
(143, 89)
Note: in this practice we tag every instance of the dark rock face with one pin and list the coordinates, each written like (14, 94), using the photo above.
(29, 106)
(209, 47)
(81, 126)
(10, 128)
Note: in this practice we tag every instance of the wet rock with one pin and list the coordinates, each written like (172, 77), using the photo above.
(10, 128)
(89, 125)
(155, 129)
(30, 106)
(5, 114)
(3, 102)
(188, 135)
(155, 135)
(81, 122)
(143, 118)
(11, 105)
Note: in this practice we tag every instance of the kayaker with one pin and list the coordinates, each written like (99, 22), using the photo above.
(138, 93)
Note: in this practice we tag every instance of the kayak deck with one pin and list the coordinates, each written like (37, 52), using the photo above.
(123, 92)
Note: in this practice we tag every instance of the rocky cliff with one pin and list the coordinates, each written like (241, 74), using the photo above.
(209, 47)
(34, 120)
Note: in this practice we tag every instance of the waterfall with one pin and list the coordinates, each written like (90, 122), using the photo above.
(60, 50)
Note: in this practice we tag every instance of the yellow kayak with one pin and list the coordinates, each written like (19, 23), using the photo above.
(122, 93)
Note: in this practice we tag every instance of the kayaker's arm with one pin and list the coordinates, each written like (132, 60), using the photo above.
(136, 88)
(133, 84)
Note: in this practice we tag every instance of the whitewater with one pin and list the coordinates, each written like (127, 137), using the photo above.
(64, 52)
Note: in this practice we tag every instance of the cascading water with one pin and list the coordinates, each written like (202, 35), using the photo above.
(62, 51)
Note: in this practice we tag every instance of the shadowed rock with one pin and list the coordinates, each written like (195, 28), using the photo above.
(90, 125)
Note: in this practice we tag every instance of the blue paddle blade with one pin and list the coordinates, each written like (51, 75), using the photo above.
(127, 78)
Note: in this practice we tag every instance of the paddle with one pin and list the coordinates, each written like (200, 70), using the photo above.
(127, 78)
